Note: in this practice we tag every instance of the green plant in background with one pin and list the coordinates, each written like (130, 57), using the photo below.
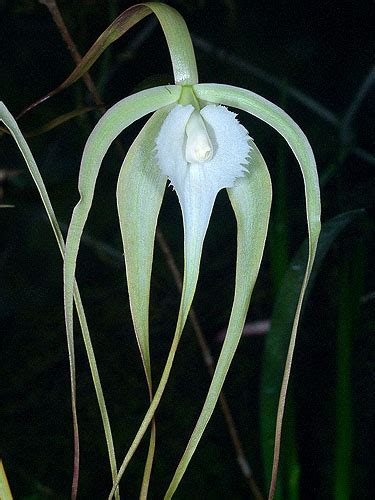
(195, 142)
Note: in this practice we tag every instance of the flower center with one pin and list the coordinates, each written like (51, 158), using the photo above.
(198, 144)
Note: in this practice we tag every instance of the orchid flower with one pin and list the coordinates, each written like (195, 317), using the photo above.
(197, 144)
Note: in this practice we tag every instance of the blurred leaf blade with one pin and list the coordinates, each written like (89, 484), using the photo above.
(52, 124)
(60, 120)
(351, 284)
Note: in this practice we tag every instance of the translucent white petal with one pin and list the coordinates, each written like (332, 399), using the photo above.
(230, 142)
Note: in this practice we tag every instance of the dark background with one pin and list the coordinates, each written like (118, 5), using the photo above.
(279, 50)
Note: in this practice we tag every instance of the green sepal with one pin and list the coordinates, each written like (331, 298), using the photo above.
(120, 116)
(251, 201)
(176, 34)
(140, 190)
(115, 120)
(270, 113)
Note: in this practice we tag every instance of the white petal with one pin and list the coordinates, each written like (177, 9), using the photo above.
(230, 141)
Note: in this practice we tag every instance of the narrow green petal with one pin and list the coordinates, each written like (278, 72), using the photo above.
(108, 128)
(279, 120)
(120, 116)
(175, 31)
(251, 201)
(140, 191)
(11, 124)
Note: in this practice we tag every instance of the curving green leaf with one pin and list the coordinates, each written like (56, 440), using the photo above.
(11, 124)
(56, 122)
(175, 31)
(251, 201)
(140, 191)
(279, 120)
(277, 339)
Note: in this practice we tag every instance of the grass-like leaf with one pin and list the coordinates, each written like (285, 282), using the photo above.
(11, 124)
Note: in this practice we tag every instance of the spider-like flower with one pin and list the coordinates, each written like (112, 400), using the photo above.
(193, 140)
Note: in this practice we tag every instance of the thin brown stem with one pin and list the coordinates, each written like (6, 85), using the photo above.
(206, 353)
(71, 46)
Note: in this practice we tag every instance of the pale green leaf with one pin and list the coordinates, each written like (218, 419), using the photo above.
(11, 124)
(251, 201)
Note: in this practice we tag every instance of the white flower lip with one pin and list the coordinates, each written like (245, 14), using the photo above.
(212, 142)
(201, 153)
